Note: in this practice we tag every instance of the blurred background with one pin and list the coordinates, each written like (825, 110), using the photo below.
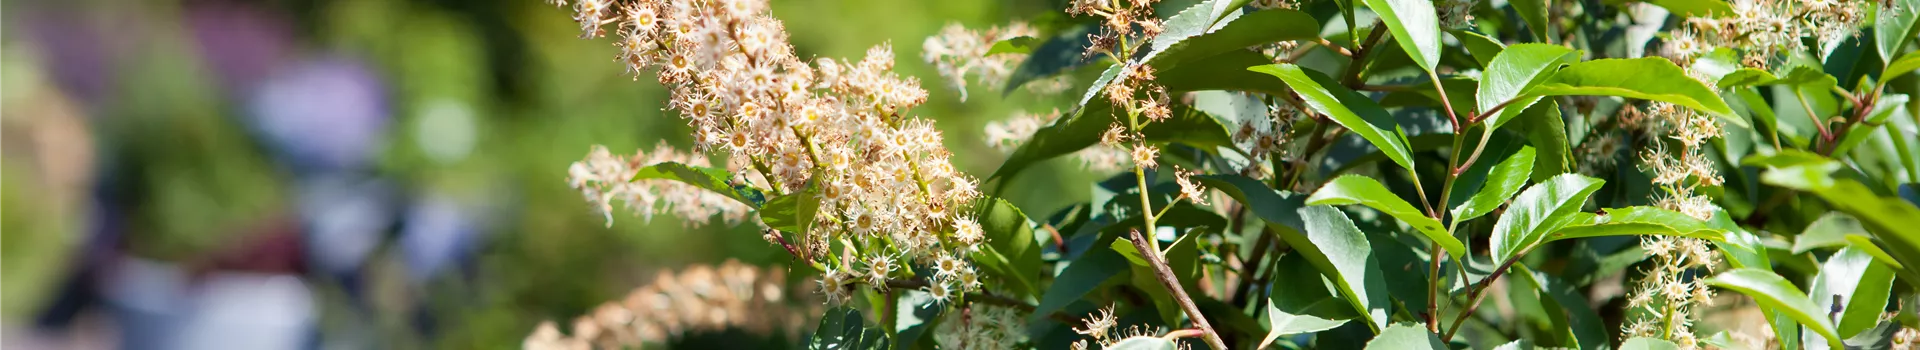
(224, 174)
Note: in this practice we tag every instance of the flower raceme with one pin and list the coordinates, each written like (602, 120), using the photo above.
(838, 130)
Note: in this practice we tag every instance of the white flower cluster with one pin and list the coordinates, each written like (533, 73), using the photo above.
(981, 326)
(604, 178)
(958, 52)
(1762, 29)
(700, 298)
(1672, 302)
(838, 129)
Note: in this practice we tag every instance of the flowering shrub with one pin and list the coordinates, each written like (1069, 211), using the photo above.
(1327, 174)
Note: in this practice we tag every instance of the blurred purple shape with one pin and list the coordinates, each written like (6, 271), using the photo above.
(240, 43)
(322, 115)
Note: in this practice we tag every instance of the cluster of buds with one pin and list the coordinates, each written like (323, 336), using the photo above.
(1007, 136)
(1119, 20)
(1763, 29)
(698, 299)
(1672, 302)
(958, 52)
(1684, 171)
(1105, 331)
(981, 326)
(838, 130)
(604, 178)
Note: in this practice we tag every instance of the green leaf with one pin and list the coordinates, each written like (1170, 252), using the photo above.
(1696, 8)
(1637, 220)
(1892, 30)
(1502, 182)
(1082, 129)
(1406, 336)
(1482, 48)
(1866, 244)
(1861, 286)
(1644, 343)
(1906, 63)
(711, 179)
(1143, 343)
(1015, 45)
(1651, 78)
(1588, 330)
(1517, 69)
(1534, 12)
(1192, 34)
(843, 328)
(1352, 110)
(1774, 292)
(1547, 132)
(1333, 239)
(1010, 235)
(1539, 210)
(1299, 301)
(793, 212)
(1828, 231)
(1415, 26)
(1080, 277)
(1058, 53)
(1888, 105)
(1355, 189)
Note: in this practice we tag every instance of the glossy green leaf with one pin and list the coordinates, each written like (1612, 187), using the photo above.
(843, 328)
(1300, 301)
(1502, 182)
(1774, 292)
(1352, 110)
(1652, 78)
(1828, 231)
(1866, 244)
(1861, 286)
(1696, 8)
(1355, 189)
(1415, 26)
(1010, 235)
(793, 212)
(1893, 28)
(1193, 34)
(1547, 132)
(1538, 211)
(1644, 343)
(1517, 69)
(1406, 336)
(711, 179)
(1905, 64)
(1482, 48)
(1637, 220)
(1355, 270)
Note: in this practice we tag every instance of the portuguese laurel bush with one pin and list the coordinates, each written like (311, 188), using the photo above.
(1393, 174)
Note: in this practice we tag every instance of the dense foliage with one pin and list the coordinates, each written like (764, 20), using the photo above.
(1328, 174)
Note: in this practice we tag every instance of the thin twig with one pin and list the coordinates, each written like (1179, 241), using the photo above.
(1172, 283)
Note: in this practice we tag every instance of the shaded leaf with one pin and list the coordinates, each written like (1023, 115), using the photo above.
(1331, 238)
(843, 328)
(1828, 231)
(1298, 301)
(1860, 287)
